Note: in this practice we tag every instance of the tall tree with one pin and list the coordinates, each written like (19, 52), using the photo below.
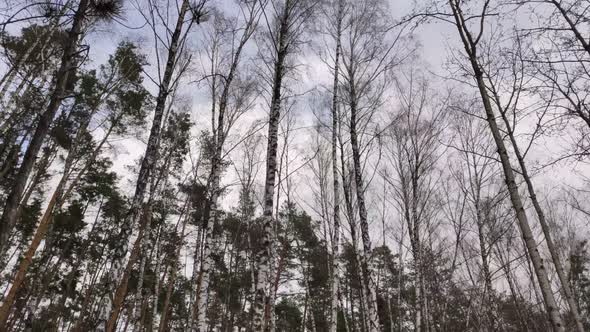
(120, 88)
(470, 42)
(284, 38)
(509, 111)
(336, 185)
(231, 98)
(85, 13)
(368, 55)
(414, 155)
(475, 175)
(175, 49)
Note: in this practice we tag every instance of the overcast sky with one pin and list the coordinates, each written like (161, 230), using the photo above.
(435, 38)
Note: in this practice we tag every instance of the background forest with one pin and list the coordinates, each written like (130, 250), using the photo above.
(294, 165)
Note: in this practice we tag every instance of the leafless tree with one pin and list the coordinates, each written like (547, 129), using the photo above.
(285, 21)
(369, 53)
(471, 41)
(413, 151)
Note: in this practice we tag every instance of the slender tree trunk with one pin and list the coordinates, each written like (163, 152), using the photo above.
(352, 315)
(119, 295)
(144, 245)
(363, 297)
(157, 289)
(56, 200)
(563, 279)
(345, 321)
(347, 190)
(419, 306)
(262, 265)
(199, 314)
(523, 223)
(140, 302)
(360, 193)
(147, 166)
(514, 294)
(219, 132)
(490, 319)
(353, 234)
(400, 285)
(411, 216)
(88, 300)
(305, 306)
(335, 175)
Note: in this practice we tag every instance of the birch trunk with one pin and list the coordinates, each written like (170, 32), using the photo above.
(506, 268)
(488, 290)
(262, 264)
(144, 245)
(400, 285)
(540, 270)
(563, 279)
(360, 193)
(418, 283)
(147, 165)
(155, 321)
(199, 314)
(335, 121)
(119, 296)
(145, 241)
(220, 130)
(170, 287)
(347, 190)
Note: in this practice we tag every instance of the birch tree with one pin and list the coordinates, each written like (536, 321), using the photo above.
(414, 153)
(232, 96)
(475, 176)
(168, 81)
(509, 110)
(284, 38)
(470, 41)
(368, 55)
(337, 35)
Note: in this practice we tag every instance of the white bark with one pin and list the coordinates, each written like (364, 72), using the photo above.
(470, 46)
(335, 175)
(261, 296)
(220, 131)
(119, 275)
(563, 279)
(360, 194)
